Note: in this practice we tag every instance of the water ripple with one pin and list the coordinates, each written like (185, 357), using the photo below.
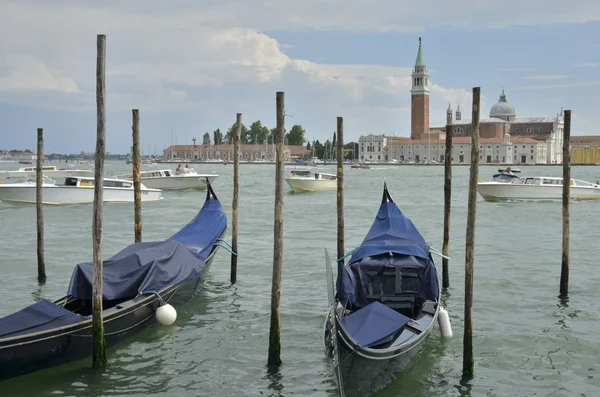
(527, 341)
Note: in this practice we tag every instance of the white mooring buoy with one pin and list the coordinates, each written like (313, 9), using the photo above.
(166, 314)
(444, 323)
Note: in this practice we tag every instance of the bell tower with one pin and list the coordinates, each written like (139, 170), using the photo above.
(419, 117)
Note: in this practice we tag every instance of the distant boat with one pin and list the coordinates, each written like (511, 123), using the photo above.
(505, 187)
(385, 305)
(48, 170)
(74, 190)
(301, 180)
(137, 281)
(361, 166)
(515, 170)
(25, 162)
(171, 180)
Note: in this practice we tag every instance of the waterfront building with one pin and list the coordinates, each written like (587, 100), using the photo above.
(17, 155)
(219, 153)
(504, 137)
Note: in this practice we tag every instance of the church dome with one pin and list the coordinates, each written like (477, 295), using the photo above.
(503, 108)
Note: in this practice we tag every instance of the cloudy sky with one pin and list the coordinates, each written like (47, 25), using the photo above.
(191, 65)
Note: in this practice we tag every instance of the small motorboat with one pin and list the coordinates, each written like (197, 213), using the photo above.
(361, 166)
(51, 171)
(506, 187)
(385, 305)
(74, 190)
(185, 178)
(303, 180)
(137, 281)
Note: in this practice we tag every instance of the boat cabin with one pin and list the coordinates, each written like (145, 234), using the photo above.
(155, 174)
(88, 182)
(317, 175)
(33, 169)
(321, 176)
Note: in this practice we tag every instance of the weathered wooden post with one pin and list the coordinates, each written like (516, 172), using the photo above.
(274, 336)
(137, 189)
(340, 193)
(236, 197)
(447, 199)
(566, 196)
(99, 344)
(39, 181)
(468, 361)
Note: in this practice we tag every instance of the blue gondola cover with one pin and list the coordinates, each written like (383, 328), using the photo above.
(40, 316)
(154, 265)
(392, 242)
(373, 324)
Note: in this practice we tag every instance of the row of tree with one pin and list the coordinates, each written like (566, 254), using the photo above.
(260, 134)
(257, 133)
(328, 150)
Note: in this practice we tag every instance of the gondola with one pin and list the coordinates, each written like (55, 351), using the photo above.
(136, 282)
(385, 303)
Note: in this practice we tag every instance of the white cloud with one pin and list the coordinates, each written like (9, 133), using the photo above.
(168, 59)
(350, 15)
(211, 56)
(25, 73)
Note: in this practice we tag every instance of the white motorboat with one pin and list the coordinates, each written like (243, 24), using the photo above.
(505, 187)
(74, 190)
(182, 178)
(48, 170)
(309, 181)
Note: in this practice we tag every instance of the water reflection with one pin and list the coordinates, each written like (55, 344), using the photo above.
(464, 387)
(274, 378)
(38, 294)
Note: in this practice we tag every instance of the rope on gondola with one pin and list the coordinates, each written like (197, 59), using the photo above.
(435, 251)
(345, 256)
(227, 246)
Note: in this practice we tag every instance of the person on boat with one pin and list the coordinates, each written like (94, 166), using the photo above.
(507, 171)
(179, 170)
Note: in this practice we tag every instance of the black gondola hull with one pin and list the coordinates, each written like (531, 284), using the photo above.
(33, 352)
(362, 372)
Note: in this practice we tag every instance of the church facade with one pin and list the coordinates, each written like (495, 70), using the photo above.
(504, 137)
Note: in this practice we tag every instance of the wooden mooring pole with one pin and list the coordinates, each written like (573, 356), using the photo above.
(137, 189)
(340, 192)
(447, 200)
(39, 181)
(468, 361)
(566, 226)
(99, 344)
(274, 336)
(236, 196)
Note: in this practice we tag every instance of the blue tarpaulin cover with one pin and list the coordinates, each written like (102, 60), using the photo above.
(139, 267)
(40, 316)
(155, 265)
(373, 324)
(391, 232)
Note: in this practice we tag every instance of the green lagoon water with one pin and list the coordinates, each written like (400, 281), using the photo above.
(527, 342)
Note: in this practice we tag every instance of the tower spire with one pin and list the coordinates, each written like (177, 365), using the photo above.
(419, 96)
(420, 57)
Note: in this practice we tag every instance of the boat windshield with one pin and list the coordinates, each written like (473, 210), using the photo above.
(301, 173)
(508, 178)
